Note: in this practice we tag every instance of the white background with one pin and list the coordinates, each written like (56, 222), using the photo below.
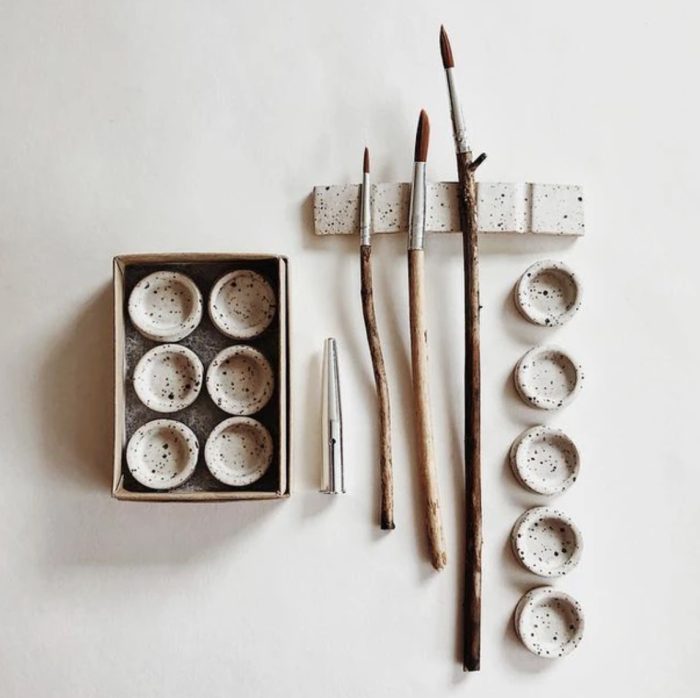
(142, 126)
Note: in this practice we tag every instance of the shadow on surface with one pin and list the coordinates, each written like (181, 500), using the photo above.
(75, 384)
(84, 524)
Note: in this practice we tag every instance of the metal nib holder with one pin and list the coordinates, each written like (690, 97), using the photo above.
(333, 470)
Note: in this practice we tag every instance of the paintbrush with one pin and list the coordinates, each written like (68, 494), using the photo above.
(375, 350)
(419, 349)
(472, 369)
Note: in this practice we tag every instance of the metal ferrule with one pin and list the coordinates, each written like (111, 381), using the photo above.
(458, 127)
(416, 213)
(365, 211)
(332, 427)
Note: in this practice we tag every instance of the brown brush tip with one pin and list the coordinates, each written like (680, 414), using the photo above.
(365, 162)
(422, 137)
(446, 50)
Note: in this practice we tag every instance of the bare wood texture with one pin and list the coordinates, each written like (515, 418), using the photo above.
(421, 407)
(472, 413)
(380, 381)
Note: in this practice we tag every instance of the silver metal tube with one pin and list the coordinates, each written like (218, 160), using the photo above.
(458, 127)
(365, 211)
(332, 426)
(416, 214)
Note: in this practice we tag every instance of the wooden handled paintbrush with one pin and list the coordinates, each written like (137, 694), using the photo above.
(472, 369)
(375, 350)
(419, 349)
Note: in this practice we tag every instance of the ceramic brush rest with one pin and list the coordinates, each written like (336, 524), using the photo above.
(502, 207)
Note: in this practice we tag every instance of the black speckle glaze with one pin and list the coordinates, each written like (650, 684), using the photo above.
(242, 304)
(161, 454)
(546, 541)
(546, 377)
(548, 293)
(549, 622)
(206, 341)
(545, 460)
(168, 378)
(240, 380)
(239, 451)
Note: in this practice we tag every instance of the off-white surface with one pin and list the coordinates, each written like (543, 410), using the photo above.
(143, 126)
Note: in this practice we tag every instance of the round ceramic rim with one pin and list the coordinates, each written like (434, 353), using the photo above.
(186, 327)
(221, 400)
(535, 400)
(533, 598)
(216, 433)
(252, 331)
(178, 405)
(523, 285)
(519, 470)
(184, 431)
(523, 523)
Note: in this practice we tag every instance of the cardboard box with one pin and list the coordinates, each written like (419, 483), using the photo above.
(203, 415)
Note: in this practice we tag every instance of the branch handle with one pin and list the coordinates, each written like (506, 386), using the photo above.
(421, 406)
(380, 381)
(472, 411)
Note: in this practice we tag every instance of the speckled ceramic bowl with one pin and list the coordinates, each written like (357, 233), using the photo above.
(239, 451)
(549, 622)
(547, 377)
(242, 304)
(547, 542)
(548, 293)
(168, 378)
(240, 380)
(165, 306)
(162, 454)
(545, 460)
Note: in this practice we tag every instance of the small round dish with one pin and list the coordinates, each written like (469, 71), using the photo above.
(240, 380)
(242, 304)
(547, 542)
(162, 454)
(549, 622)
(548, 293)
(168, 378)
(547, 377)
(165, 306)
(239, 451)
(545, 460)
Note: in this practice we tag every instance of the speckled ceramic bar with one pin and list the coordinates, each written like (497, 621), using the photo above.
(544, 209)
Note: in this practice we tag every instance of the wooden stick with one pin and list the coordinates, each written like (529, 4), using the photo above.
(472, 413)
(472, 369)
(375, 349)
(421, 405)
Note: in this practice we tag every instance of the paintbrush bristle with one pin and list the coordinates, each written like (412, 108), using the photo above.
(365, 162)
(422, 137)
(448, 60)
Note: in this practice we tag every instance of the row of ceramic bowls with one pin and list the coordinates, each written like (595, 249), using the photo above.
(163, 453)
(546, 461)
(169, 378)
(166, 306)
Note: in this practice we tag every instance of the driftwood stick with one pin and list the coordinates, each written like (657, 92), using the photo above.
(375, 350)
(472, 411)
(421, 405)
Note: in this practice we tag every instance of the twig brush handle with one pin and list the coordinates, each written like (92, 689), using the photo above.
(472, 412)
(375, 350)
(421, 403)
